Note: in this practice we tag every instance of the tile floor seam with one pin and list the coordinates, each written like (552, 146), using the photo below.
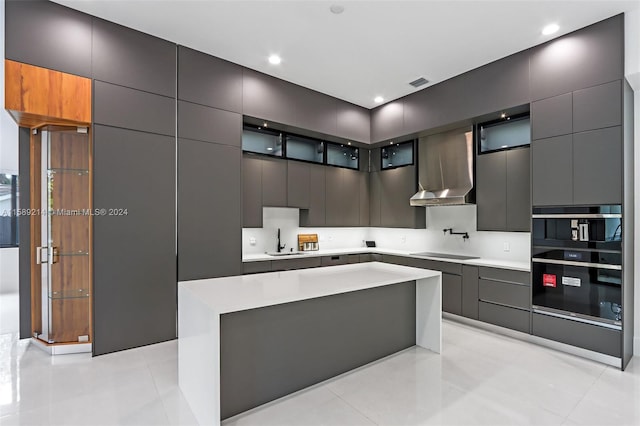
(355, 408)
(582, 398)
(155, 386)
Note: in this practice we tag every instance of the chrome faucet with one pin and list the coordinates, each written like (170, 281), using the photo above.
(278, 246)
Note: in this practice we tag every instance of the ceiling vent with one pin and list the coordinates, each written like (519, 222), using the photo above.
(419, 82)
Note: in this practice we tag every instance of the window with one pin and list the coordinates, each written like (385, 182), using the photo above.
(262, 141)
(8, 210)
(397, 155)
(342, 156)
(306, 149)
(506, 133)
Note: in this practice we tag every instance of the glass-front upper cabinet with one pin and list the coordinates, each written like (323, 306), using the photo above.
(262, 141)
(397, 155)
(505, 133)
(305, 149)
(342, 156)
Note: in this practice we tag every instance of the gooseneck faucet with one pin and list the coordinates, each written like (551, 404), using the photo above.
(278, 246)
(465, 235)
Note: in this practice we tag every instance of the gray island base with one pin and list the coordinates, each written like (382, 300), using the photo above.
(247, 340)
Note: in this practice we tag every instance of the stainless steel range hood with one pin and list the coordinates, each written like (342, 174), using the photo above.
(445, 168)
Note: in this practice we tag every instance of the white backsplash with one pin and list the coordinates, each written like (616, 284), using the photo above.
(489, 245)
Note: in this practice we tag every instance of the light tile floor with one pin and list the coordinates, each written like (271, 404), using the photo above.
(480, 379)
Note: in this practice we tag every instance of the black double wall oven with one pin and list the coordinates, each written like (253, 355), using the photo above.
(577, 263)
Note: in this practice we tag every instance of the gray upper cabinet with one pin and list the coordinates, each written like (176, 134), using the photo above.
(552, 117)
(48, 35)
(133, 109)
(210, 81)
(363, 178)
(597, 107)
(342, 197)
(396, 187)
(251, 191)
(209, 210)
(315, 214)
(270, 98)
(491, 191)
(585, 58)
(503, 190)
(387, 121)
(375, 192)
(298, 184)
(353, 122)
(209, 124)
(597, 166)
(519, 189)
(552, 177)
(134, 255)
(274, 182)
(133, 59)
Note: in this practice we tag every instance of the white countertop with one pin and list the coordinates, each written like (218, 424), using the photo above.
(494, 263)
(238, 293)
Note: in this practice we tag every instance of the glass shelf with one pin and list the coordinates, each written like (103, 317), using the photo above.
(80, 172)
(79, 293)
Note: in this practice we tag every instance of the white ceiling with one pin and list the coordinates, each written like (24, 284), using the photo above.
(372, 48)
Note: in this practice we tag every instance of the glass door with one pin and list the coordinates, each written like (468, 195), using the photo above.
(65, 235)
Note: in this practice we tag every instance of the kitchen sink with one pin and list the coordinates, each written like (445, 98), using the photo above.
(285, 253)
(445, 256)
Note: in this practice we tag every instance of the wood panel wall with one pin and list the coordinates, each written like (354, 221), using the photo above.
(35, 95)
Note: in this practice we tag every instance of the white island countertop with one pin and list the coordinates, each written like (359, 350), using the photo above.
(517, 265)
(238, 293)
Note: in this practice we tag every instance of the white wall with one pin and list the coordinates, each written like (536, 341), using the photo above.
(9, 270)
(462, 218)
(632, 73)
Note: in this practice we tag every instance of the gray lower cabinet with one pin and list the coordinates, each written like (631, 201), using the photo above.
(587, 336)
(505, 298)
(209, 210)
(452, 293)
(134, 255)
(251, 191)
(314, 215)
(342, 259)
(514, 319)
(503, 190)
(470, 291)
(299, 263)
(256, 267)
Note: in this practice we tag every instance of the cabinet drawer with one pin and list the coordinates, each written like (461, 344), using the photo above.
(289, 264)
(515, 319)
(256, 267)
(587, 336)
(342, 259)
(444, 267)
(508, 275)
(366, 257)
(402, 260)
(353, 258)
(375, 257)
(504, 293)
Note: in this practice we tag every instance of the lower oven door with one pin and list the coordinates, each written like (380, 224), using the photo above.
(588, 292)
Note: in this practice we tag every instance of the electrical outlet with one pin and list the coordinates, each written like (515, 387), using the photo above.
(506, 247)
(252, 241)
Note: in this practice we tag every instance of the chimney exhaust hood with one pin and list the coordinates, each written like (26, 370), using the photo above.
(445, 168)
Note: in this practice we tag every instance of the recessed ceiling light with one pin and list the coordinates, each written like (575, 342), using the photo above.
(378, 99)
(337, 9)
(550, 29)
(503, 115)
(269, 149)
(274, 59)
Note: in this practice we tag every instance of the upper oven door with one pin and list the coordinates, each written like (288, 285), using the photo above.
(597, 227)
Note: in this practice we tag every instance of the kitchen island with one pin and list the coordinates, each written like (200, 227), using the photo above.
(246, 340)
